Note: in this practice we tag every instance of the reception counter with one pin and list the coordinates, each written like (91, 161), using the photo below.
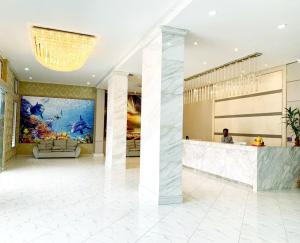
(263, 168)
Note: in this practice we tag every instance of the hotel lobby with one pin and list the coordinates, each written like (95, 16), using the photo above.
(150, 121)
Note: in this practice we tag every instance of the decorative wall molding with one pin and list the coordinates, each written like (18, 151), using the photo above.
(250, 95)
(250, 115)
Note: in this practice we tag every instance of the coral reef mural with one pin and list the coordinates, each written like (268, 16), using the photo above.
(43, 118)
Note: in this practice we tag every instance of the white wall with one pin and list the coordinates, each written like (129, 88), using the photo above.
(258, 114)
(246, 116)
(293, 87)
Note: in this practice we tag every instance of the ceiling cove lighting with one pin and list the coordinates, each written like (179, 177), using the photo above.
(281, 26)
(61, 50)
(212, 12)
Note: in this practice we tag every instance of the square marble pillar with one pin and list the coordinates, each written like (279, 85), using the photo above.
(99, 131)
(116, 128)
(162, 115)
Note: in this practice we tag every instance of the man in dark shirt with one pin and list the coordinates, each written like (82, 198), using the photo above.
(226, 138)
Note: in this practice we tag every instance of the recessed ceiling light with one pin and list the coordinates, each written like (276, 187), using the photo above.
(204, 63)
(266, 65)
(88, 83)
(195, 43)
(26, 69)
(93, 76)
(236, 49)
(212, 12)
(30, 78)
(281, 26)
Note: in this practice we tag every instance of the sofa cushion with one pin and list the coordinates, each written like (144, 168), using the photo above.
(58, 148)
(71, 145)
(59, 144)
(42, 146)
(70, 149)
(45, 144)
(44, 151)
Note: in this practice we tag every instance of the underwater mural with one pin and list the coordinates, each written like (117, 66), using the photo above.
(43, 118)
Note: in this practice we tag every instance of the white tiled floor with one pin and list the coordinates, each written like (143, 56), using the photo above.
(79, 200)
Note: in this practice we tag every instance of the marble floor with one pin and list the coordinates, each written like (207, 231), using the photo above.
(78, 200)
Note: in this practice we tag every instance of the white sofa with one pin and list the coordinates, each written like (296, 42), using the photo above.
(56, 149)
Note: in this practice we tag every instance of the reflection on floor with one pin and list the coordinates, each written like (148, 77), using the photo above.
(78, 200)
(132, 162)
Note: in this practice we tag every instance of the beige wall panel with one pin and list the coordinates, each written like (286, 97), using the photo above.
(197, 121)
(294, 104)
(293, 72)
(268, 141)
(251, 105)
(293, 91)
(250, 125)
(270, 81)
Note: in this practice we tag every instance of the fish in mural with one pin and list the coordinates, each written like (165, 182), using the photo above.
(28, 109)
(57, 116)
(25, 107)
(79, 126)
(37, 110)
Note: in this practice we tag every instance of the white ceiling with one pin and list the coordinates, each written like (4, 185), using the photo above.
(118, 25)
(249, 25)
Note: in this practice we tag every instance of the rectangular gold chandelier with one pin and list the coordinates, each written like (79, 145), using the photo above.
(61, 50)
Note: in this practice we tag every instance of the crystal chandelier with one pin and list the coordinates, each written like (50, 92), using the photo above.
(232, 79)
(61, 50)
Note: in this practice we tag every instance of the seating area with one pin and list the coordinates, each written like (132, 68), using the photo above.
(133, 148)
(56, 149)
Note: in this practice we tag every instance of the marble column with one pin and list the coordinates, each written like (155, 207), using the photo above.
(162, 115)
(116, 127)
(99, 131)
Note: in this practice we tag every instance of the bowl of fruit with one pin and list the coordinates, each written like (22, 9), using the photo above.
(259, 142)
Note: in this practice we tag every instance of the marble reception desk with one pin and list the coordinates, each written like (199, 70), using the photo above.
(263, 168)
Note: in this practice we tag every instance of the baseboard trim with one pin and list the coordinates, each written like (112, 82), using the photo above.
(98, 154)
(148, 196)
(177, 199)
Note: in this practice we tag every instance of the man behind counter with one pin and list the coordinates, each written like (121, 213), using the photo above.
(226, 138)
